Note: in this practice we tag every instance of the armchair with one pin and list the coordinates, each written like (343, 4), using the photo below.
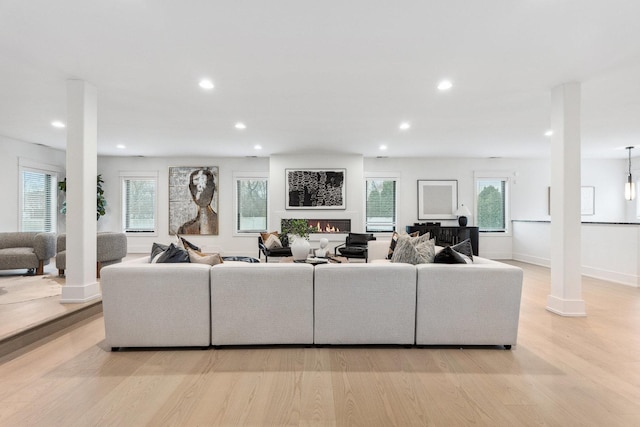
(355, 246)
(275, 252)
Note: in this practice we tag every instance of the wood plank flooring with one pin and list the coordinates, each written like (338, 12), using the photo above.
(563, 372)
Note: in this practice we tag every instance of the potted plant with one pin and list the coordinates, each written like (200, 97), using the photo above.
(101, 201)
(298, 230)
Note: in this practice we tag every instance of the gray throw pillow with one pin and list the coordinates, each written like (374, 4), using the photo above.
(464, 248)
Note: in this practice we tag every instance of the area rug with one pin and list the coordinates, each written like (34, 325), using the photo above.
(17, 289)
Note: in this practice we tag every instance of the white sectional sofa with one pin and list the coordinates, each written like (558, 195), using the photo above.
(237, 303)
(264, 303)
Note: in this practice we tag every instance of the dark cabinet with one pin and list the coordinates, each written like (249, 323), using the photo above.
(446, 236)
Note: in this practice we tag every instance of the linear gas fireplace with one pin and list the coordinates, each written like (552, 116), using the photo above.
(330, 226)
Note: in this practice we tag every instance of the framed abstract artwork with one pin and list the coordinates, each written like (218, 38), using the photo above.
(437, 199)
(315, 188)
(193, 200)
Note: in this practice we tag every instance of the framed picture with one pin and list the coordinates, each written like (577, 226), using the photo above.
(587, 200)
(316, 189)
(193, 200)
(437, 199)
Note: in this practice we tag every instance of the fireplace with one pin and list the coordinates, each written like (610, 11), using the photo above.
(330, 226)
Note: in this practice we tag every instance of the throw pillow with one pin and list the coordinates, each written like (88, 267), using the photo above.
(449, 256)
(185, 244)
(200, 258)
(173, 254)
(156, 250)
(464, 248)
(412, 250)
(273, 241)
(394, 241)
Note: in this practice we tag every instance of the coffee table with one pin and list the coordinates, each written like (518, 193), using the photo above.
(332, 260)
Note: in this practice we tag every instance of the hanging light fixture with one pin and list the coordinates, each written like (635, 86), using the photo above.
(629, 186)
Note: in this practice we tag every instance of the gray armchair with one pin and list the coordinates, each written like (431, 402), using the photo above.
(111, 248)
(26, 250)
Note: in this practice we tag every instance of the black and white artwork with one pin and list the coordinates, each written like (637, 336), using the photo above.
(316, 189)
(193, 200)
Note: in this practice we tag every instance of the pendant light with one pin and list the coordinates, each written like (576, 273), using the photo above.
(629, 186)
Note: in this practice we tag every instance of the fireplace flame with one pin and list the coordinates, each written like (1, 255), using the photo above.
(327, 229)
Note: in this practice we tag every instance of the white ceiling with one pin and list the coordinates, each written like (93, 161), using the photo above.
(323, 76)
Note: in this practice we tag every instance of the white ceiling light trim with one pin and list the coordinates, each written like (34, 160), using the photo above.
(240, 125)
(58, 124)
(404, 126)
(548, 133)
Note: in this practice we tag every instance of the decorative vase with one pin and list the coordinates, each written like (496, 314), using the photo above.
(300, 248)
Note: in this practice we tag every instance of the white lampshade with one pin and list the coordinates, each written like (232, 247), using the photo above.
(463, 211)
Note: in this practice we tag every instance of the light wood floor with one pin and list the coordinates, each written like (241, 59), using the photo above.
(563, 372)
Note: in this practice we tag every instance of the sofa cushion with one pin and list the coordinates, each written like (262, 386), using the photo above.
(200, 258)
(464, 248)
(449, 256)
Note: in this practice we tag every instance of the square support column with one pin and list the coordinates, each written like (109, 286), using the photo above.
(82, 167)
(566, 278)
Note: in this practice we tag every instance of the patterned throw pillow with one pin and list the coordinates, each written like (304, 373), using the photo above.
(198, 257)
(273, 241)
(394, 241)
(414, 250)
(185, 244)
(173, 254)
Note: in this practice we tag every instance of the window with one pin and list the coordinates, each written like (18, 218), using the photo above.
(38, 200)
(139, 193)
(251, 194)
(491, 204)
(381, 204)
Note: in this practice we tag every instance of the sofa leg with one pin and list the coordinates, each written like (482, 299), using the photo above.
(507, 347)
(40, 269)
(60, 272)
(98, 267)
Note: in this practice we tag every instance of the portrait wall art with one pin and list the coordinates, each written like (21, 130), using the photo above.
(193, 200)
(315, 189)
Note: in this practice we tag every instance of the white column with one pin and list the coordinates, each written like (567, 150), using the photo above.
(566, 280)
(82, 166)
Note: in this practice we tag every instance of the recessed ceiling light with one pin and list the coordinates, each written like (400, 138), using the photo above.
(206, 84)
(404, 125)
(257, 147)
(58, 124)
(240, 125)
(121, 146)
(383, 147)
(548, 133)
(445, 85)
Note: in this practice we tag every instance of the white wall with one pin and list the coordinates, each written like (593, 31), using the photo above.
(111, 167)
(12, 150)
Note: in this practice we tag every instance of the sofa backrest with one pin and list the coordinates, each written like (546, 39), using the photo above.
(20, 239)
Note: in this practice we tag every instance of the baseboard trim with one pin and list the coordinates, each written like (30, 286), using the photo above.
(47, 329)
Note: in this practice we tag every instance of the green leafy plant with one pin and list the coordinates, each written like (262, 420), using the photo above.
(101, 201)
(298, 227)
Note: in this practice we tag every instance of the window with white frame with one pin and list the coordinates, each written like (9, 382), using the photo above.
(381, 210)
(251, 203)
(139, 201)
(38, 199)
(492, 203)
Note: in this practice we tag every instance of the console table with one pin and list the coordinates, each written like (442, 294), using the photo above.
(446, 236)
